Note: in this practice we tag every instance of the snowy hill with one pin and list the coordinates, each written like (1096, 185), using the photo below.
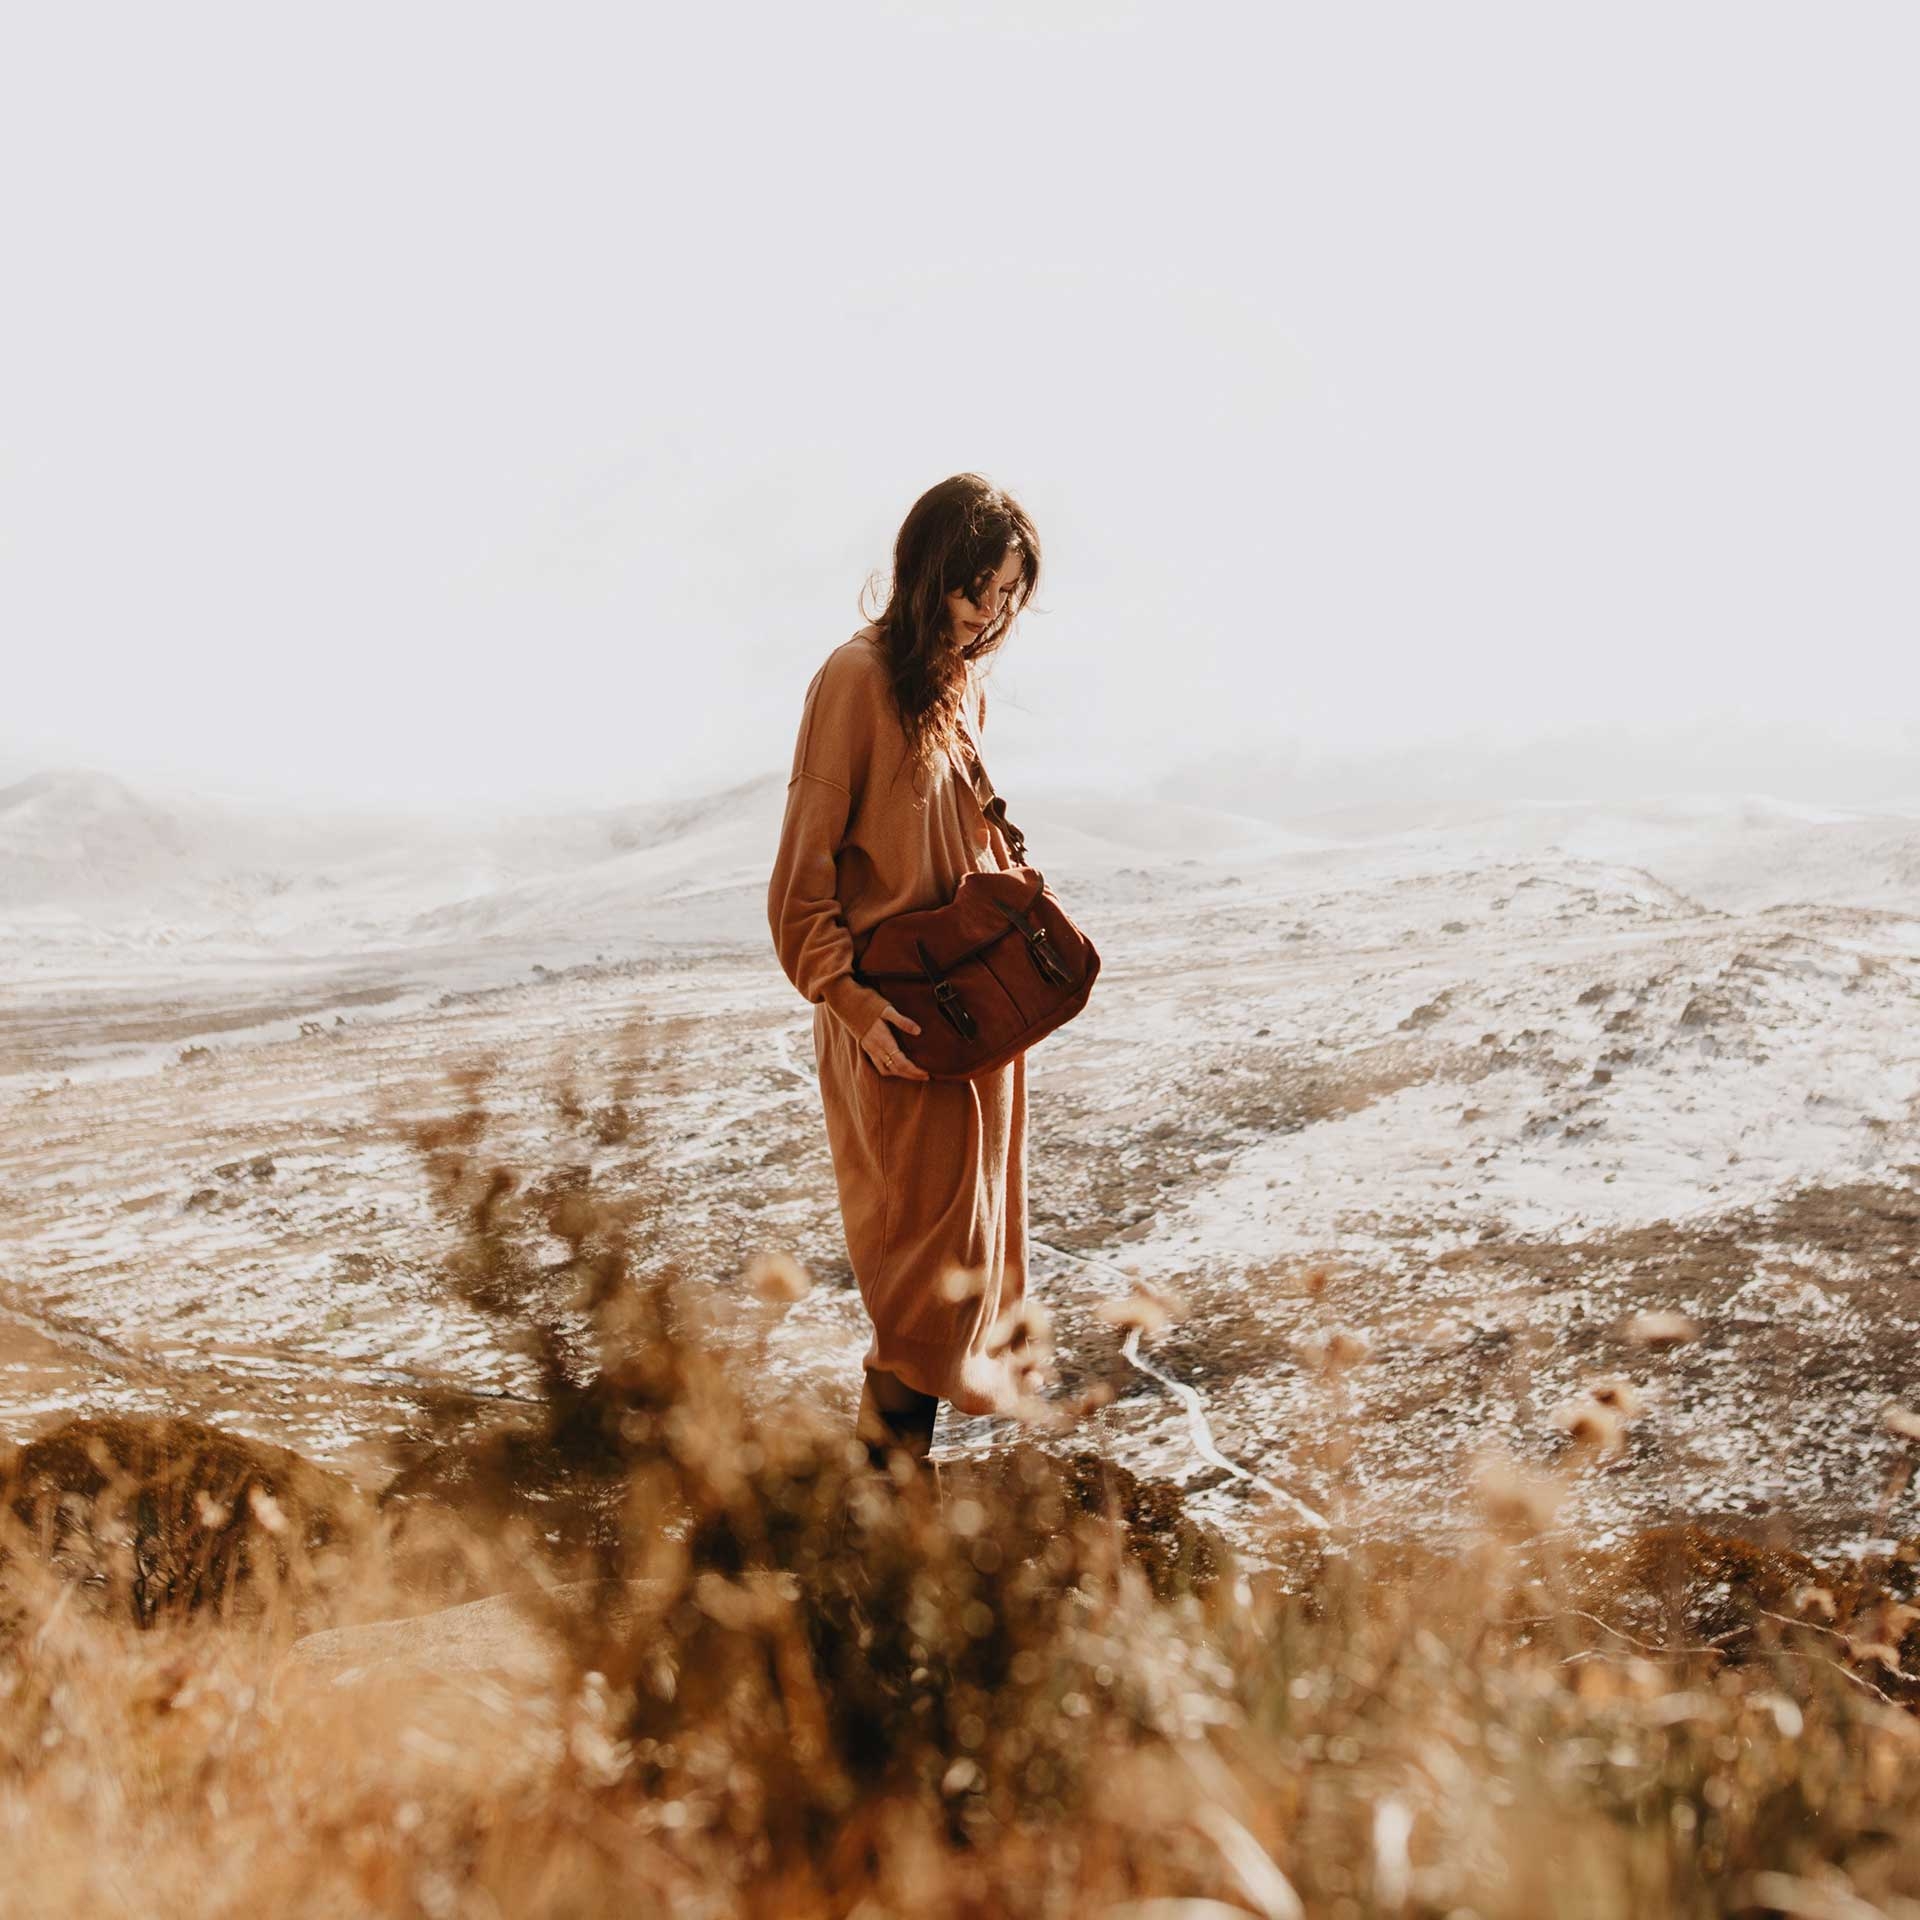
(1739, 851)
(90, 862)
(69, 835)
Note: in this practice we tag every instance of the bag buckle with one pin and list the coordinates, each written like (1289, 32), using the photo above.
(1046, 962)
(1046, 959)
(946, 997)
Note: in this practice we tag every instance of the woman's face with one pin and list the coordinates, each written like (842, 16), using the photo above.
(969, 618)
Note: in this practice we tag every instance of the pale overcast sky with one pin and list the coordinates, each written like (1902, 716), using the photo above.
(457, 402)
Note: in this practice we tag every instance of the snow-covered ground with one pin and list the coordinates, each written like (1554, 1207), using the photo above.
(1473, 1084)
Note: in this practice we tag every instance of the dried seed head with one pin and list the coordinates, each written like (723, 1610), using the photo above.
(1814, 1603)
(208, 1511)
(778, 1278)
(1514, 1501)
(1591, 1426)
(266, 1510)
(1874, 1653)
(963, 1283)
(1337, 1349)
(1025, 1331)
(756, 1601)
(1030, 1409)
(1659, 1329)
(1903, 1422)
(1149, 1309)
(1896, 1620)
(1136, 1313)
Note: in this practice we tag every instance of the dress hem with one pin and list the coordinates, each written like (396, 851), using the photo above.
(929, 1366)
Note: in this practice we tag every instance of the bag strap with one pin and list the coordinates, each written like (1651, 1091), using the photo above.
(991, 803)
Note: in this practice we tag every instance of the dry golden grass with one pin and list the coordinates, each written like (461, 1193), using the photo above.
(729, 1670)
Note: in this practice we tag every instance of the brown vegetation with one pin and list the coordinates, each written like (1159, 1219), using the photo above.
(776, 1683)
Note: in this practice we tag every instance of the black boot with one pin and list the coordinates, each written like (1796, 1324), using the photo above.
(895, 1418)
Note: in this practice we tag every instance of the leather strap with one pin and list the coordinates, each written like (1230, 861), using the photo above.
(991, 804)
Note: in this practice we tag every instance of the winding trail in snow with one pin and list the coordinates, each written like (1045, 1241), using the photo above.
(1199, 1427)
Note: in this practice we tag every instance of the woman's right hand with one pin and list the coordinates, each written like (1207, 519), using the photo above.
(879, 1046)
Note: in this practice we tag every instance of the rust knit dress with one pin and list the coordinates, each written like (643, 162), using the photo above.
(931, 1173)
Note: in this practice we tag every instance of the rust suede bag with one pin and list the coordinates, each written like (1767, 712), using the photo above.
(988, 974)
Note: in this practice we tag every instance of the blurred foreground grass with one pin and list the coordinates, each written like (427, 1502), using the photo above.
(657, 1645)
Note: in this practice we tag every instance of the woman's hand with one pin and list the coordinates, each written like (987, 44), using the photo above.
(878, 1044)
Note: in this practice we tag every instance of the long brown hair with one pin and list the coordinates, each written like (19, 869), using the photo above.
(953, 540)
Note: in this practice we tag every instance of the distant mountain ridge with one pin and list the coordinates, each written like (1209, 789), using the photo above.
(87, 855)
(85, 852)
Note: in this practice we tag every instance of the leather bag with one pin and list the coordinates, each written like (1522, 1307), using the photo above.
(995, 969)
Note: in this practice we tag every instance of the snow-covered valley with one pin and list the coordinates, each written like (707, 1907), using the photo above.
(1468, 1088)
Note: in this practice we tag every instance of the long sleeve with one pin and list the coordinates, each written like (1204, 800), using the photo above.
(831, 759)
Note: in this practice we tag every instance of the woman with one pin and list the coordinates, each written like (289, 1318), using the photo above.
(881, 819)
